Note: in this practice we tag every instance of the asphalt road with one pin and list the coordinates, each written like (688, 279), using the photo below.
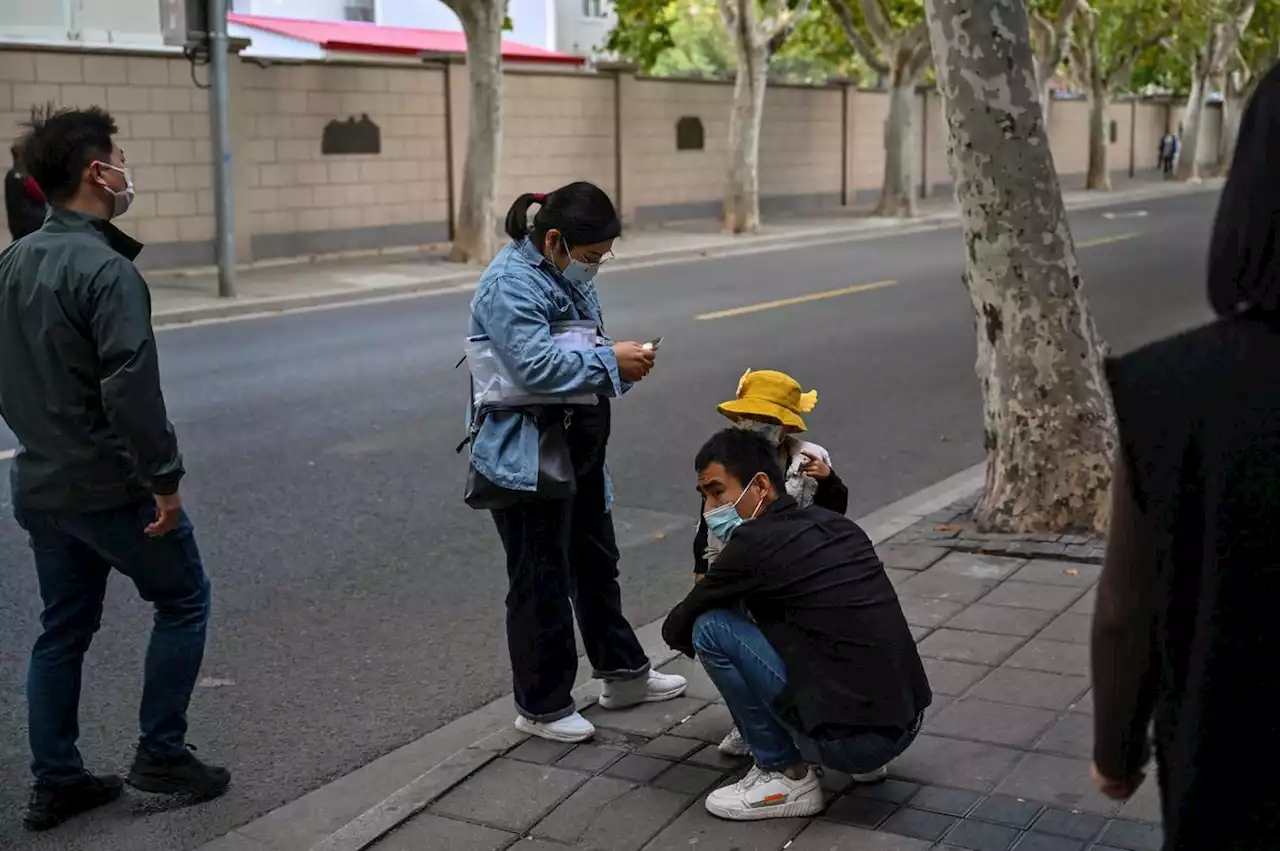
(359, 602)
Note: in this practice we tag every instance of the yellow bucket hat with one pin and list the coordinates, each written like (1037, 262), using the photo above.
(771, 394)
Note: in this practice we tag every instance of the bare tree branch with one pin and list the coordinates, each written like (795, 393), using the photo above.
(729, 13)
(921, 50)
(1057, 40)
(1041, 29)
(782, 20)
(1123, 65)
(875, 61)
(879, 26)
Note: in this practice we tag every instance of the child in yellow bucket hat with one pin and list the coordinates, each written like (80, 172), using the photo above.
(770, 403)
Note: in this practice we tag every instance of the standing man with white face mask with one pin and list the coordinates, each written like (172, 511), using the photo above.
(95, 481)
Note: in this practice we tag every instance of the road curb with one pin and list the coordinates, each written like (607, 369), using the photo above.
(465, 281)
(496, 735)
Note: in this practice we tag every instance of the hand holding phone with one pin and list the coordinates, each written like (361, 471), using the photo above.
(634, 360)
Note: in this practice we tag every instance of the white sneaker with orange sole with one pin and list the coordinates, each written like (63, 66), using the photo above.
(768, 794)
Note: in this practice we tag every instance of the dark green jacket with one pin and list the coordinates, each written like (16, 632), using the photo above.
(79, 372)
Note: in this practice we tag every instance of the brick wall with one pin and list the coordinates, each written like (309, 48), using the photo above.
(661, 182)
(616, 130)
(866, 156)
(557, 128)
(300, 201)
(936, 133)
(1069, 137)
(164, 131)
(800, 149)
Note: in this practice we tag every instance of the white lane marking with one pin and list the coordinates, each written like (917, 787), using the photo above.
(7, 454)
(1126, 214)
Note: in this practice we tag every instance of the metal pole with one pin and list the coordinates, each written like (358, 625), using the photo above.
(224, 181)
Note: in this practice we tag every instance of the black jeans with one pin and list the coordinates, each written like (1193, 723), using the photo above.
(561, 552)
(74, 555)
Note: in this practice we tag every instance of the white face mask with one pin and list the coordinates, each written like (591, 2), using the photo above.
(120, 200)
(771, 432)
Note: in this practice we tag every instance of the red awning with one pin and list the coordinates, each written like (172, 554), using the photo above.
(371, 38)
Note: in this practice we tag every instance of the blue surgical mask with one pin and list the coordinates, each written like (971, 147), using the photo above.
(725, 519)
(578, 271)
(771, 432)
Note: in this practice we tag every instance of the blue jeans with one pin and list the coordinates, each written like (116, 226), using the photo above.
(751, 675)
(74, 555)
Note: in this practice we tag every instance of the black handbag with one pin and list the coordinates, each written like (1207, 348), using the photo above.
(557, 478)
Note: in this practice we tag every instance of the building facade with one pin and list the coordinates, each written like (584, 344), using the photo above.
(579, 27)
(121, 23)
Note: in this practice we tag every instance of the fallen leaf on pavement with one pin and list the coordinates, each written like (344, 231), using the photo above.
(214, 682)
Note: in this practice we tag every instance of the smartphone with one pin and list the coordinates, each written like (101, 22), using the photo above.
(653, 344)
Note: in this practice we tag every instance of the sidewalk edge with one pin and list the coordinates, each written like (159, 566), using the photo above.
(411, 799)
(465, 281)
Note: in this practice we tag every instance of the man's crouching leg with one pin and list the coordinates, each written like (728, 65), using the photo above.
(750, 675)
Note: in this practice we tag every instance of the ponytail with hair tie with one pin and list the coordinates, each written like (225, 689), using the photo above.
(581, 212)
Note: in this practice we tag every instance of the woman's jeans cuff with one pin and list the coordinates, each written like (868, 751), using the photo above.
(548, 717)
(623, 675)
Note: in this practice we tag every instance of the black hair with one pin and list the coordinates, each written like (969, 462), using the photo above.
(60, 143)
(581, 211)
(1244, 252)
(743, 454)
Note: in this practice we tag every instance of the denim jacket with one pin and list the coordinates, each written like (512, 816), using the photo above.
(518, 298)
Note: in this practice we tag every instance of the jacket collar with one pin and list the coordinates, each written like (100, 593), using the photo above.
(530, 254)
(782, 503)
(63, 220)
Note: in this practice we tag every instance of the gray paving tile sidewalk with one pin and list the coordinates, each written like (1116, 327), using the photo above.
(187, 295)
(1002, 762)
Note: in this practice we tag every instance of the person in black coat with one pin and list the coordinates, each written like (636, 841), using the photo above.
(1185, 633)
(24, 203)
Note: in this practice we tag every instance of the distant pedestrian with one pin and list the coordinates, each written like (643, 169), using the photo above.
(538, 463)
(1168, 153)
(24, 203)
(95, 480)
(1185, 631)
(770, 404)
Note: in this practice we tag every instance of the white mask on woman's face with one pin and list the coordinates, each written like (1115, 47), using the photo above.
(771, 432)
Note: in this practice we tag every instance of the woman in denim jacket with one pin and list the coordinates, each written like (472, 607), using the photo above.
(562, 558)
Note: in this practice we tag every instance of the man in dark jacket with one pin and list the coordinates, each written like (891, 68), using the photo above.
(95, 480)
(821, 667)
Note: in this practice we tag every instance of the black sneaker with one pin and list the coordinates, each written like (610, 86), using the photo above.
(50, 806)
(180, 774)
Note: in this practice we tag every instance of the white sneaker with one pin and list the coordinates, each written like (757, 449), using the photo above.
(621, 694)
(880, 774)
(571, 729)
(734, 744)
(768, 794)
